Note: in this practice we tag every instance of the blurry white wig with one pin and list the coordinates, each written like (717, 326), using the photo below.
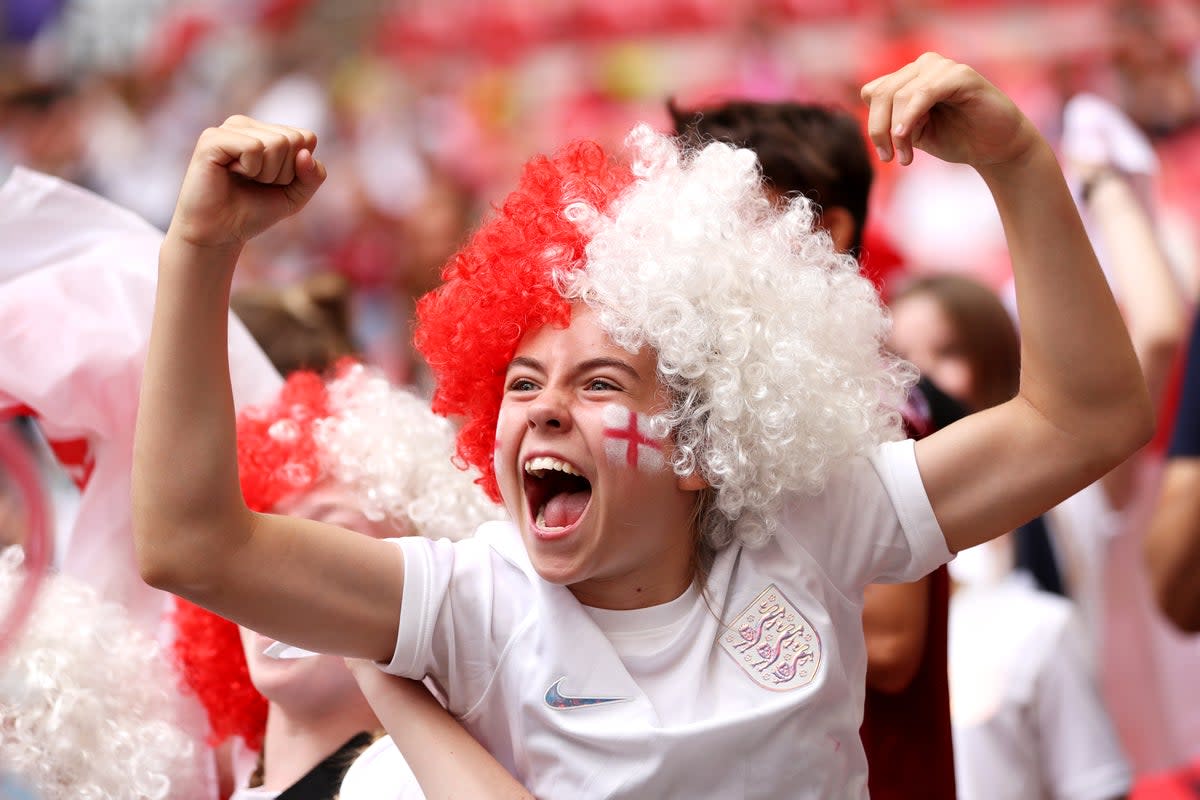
(89, 708)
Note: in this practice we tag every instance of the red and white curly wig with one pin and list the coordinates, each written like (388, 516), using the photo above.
(391, 457)
(768, 340)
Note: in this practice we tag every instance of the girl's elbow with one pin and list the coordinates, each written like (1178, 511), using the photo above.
(174, 556)
(1131, 428)
(1143, 425)
(160, 562)
(156, 567)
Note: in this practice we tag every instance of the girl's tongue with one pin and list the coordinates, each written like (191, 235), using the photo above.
(564, 509)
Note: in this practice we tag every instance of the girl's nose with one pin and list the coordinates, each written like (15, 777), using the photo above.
(549, 412)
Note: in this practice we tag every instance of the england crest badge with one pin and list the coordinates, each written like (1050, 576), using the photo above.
(773, 642)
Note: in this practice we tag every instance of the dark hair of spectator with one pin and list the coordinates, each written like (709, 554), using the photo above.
(305, 326)
(814, 150)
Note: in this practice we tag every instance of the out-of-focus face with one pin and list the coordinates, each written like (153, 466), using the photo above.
(591, 489)
(314, 684)
(923, 334)
(302, 686)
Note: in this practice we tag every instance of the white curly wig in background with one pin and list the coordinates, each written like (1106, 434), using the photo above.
(395, 455)
(89, 708)
(768, 339)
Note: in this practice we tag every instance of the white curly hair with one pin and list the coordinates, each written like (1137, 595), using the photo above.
(89, 707)
(395, 456)
(768, 339)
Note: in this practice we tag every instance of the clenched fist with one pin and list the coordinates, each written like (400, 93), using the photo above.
(244, 177)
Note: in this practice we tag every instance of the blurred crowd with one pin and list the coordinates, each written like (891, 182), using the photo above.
(425, 110)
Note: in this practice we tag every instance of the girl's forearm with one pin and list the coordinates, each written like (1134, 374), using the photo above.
(1067, 312)
(187, 501)
(447, 761)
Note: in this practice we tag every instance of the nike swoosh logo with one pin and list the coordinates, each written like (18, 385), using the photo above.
(556, 699)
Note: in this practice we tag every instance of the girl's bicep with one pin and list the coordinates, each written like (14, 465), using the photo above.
(314, 585)
(992, 471)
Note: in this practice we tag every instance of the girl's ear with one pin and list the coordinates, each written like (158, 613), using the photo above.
(693, 483)
(841, 226)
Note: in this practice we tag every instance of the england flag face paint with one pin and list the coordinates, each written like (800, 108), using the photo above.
(628, 440)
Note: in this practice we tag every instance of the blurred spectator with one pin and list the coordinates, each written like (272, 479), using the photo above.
(1017, 697)
(306, 325)
(1029, 723)
(78, 373)
(1173, 540)
(1097, 535)
(41, 128)
(1152, 71)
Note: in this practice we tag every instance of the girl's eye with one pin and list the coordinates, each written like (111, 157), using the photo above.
(601, 385)
(522, 385)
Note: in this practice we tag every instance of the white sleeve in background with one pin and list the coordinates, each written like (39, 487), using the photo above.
(1028, 720)
(77, 285)
(1081, 756)
(380, 773)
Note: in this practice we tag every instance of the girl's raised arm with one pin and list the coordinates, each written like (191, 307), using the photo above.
(1082, 407)
(303, 582)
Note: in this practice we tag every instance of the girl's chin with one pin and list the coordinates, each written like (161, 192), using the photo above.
(555, 571)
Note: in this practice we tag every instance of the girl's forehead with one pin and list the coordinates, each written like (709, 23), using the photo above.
(583, 332)
(584, 337)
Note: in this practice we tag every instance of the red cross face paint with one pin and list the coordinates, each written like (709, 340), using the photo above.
(629, 441)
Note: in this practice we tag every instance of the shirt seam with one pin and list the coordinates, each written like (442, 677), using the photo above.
(512, 641)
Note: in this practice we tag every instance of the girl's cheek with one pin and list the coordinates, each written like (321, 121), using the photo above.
(628, 441)
(498, 446)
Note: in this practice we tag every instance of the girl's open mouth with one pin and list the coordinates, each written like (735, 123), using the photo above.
(558, 496)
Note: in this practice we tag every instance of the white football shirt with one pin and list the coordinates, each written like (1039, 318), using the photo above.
(754, 689)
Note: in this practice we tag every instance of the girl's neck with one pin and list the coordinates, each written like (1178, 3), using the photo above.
(294, 744)
(666, 580)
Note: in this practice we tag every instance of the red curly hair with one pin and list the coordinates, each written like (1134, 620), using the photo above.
(277, 458)
(500, 286)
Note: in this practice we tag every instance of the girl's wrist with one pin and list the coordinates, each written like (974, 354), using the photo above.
(1033, 166)
(214, 258)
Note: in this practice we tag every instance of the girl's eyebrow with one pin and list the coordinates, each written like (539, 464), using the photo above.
(527, 362)
(611, 363)
(584, 366)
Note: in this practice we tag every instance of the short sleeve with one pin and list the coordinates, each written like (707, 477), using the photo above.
(462, 605)
(873, 522)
